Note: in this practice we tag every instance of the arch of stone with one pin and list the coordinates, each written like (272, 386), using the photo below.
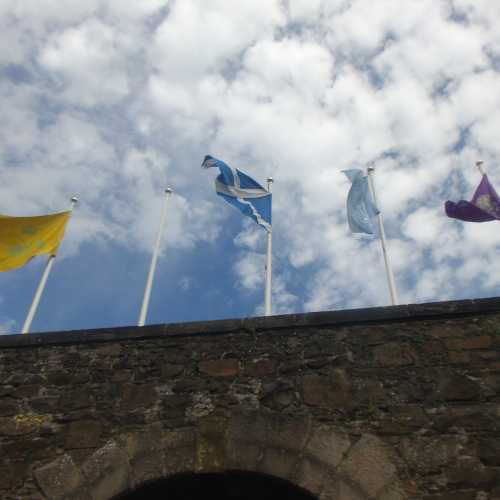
(301, 457)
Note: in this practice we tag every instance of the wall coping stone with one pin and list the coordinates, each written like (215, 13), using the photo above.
(348, 317)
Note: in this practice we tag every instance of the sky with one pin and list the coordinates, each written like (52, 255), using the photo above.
(113, 101)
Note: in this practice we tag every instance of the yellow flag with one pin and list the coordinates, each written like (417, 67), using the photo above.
(22, 238)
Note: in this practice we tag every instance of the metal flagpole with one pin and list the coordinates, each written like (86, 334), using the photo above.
(479, 165)
(390, 276)
(154, 258)
(41, 285)
(269, 262)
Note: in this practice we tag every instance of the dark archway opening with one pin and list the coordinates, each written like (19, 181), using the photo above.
(230, 485)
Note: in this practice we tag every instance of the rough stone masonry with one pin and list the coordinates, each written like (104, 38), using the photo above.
(384, 404)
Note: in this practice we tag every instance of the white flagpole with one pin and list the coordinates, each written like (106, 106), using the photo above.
(154, 258)
(388, 268)
(268, 308)
(41, 285)
(479, 165)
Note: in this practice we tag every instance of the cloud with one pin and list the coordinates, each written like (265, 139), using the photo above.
(113, 104)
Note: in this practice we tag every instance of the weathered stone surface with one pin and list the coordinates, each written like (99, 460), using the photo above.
(210, 451)
(457, 388)
(61, 479)
(327, 446)
(480, 342)
(489, 451)
(470, 473)
(9, 407)
(220, 367)
(386, 404)
(369, 465)
(83, 434)
(286, 433)
(332, 391)
(260, 368)
(12, 475)
(342, 490)
(107, 472)
(311, 476)
(395, 354)
(135, 396)
(431, 454)
(145, 454)
(179, 451)
(279, 463)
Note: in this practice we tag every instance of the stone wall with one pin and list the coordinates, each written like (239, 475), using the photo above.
(387, 403)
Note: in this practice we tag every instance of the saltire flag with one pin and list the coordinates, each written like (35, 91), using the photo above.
(484, 206)
(22, 238)
(360, 206)
(241, 191)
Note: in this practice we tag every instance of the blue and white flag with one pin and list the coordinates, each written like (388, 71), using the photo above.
(360, 206)
(242, 192)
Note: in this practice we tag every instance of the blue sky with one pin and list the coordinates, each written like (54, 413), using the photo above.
(112, 101)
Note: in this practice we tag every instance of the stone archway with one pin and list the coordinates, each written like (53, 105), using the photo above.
(228, 485)
(319, 458)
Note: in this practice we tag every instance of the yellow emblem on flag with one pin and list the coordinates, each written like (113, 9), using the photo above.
(22, 238)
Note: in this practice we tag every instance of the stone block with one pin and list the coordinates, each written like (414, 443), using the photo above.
(459, 357)
(328, 391)
(339, 489)
(107, 472)
(12, 474)
(431, 454)
(468, 472)
(286, 432)
(260, 368)
(247, 428)
(170, 370)
(242, 456)
(454, 495)
(457, 387)
(61, 479)
(395, 354)
(327, 445)
(369, 465)
(310, 475)
(478, 342)
(179, 451)
(9, 407)
(75, 400)
(145, 453)
(83, 434)
(279, 463)
(211, 446)
(227, 367)
(138, 396)
(489, 451)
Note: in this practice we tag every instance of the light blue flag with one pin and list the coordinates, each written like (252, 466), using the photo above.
(360, 206)
(242, 191)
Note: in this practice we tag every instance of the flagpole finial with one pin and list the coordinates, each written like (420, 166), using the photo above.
(74, 199)
(168, 191)
(270, 180)
(371, 169)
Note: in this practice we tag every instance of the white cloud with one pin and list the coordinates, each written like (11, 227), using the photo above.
(119, 101)
(89, 61)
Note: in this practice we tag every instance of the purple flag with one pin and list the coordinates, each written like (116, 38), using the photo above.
(484, 206)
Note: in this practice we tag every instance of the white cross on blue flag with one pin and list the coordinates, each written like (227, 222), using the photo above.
(242, 192)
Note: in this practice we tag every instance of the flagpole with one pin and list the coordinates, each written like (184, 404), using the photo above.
(154, 258)
(388, 268)
(269, 262)
(479, 165)
(42, 283)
